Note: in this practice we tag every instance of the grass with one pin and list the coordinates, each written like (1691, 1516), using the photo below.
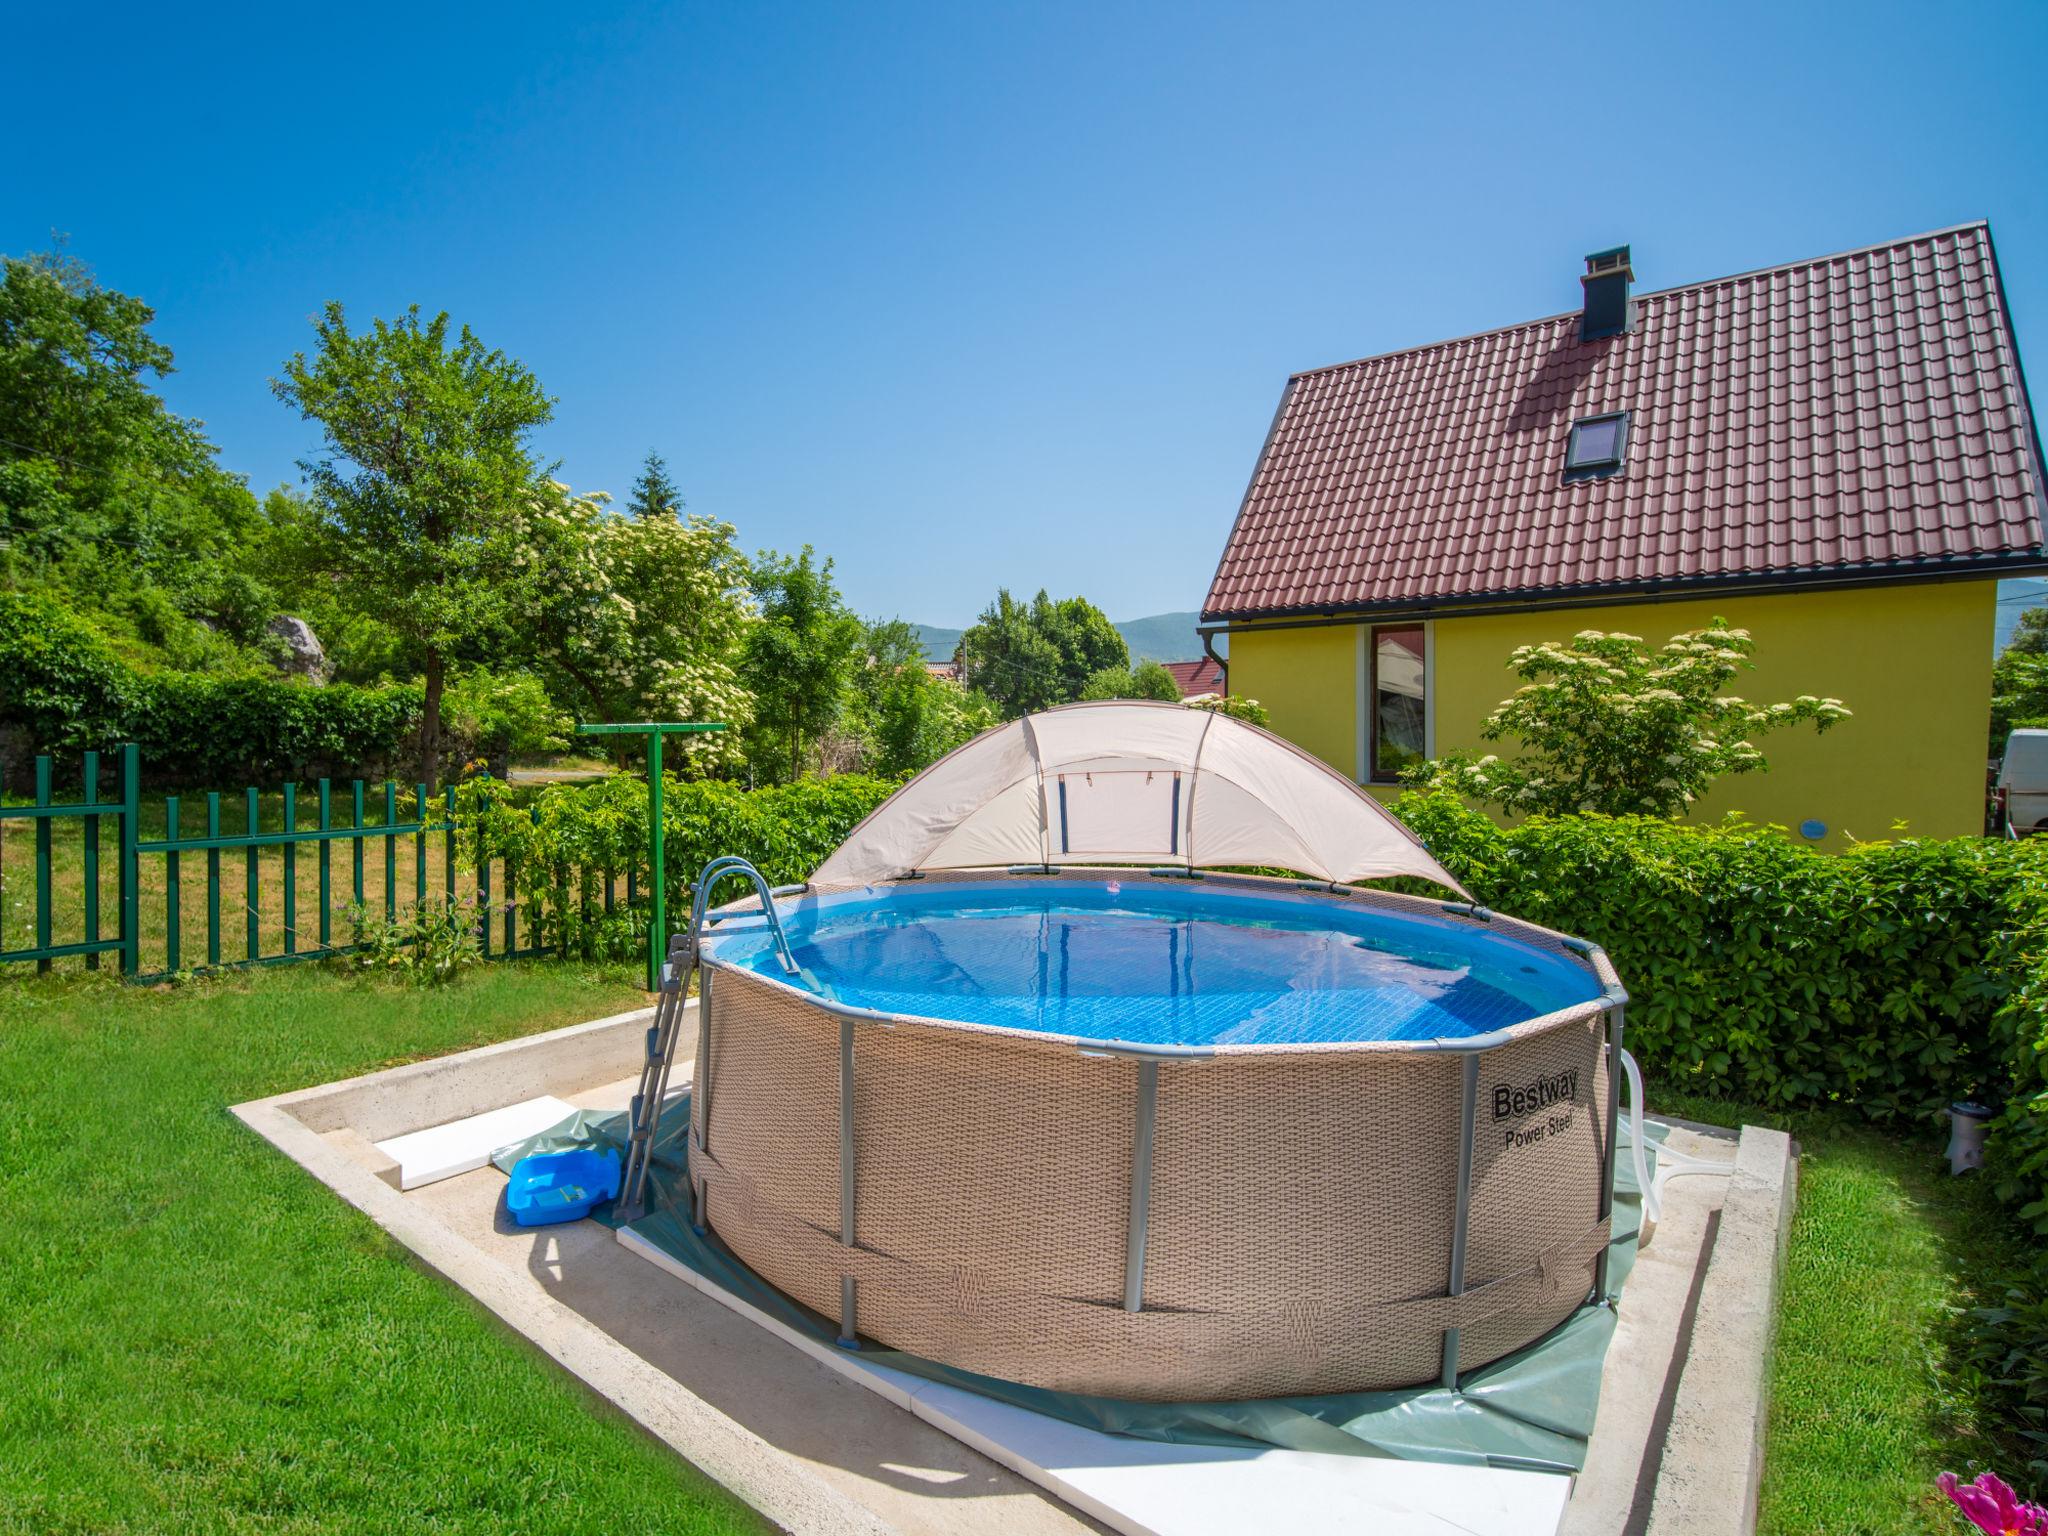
(197, 1336)
(1870, 1395)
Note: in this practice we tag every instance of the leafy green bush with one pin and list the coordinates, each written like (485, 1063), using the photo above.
(65, 689)
(197, 729)
(68, 692)
(1764, 971)
(426, 944)
(1891, 979)
(568, 836)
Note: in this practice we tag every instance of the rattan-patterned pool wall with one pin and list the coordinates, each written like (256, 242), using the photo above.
(982, 1197)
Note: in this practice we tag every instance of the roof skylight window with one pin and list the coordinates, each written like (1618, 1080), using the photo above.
(1597, 444)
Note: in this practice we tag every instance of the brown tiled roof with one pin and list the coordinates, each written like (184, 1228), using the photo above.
(1196, 677)
(1862, 414)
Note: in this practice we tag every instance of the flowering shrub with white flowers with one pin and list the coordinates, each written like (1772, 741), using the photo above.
(1604, 724)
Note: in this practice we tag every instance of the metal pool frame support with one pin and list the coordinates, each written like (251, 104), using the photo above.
(1613, 1006)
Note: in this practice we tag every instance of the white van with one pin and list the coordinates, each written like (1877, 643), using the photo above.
(2023, 782)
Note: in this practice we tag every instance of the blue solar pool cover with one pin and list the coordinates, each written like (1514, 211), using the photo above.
(1153, 963)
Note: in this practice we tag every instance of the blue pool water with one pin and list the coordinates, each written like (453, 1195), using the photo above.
(1158, 963)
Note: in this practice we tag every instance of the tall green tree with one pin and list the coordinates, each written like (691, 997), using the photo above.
(903, 717)
(2030, 635)
(418, 501)
(799, 654)
(639, 618)
(1031, 656)
(1147, 680)
(103, 490)
(654, 493)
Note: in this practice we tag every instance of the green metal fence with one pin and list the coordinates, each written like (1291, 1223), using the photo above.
(278, 936)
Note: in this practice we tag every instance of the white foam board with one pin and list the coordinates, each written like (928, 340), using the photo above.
(1145, 1488)
(462, 1146)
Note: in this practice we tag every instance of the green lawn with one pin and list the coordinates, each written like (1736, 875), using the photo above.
(197, 1336)
(1869, 1399)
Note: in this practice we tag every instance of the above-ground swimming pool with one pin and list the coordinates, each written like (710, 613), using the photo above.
(1154, 1137)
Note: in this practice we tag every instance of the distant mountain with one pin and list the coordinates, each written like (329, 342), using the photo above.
(939, 644)
(1164, 637)
(2015, 598)
(1161, 637)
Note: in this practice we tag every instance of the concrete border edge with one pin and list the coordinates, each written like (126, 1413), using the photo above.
(765, 1477)
(1711, 1466)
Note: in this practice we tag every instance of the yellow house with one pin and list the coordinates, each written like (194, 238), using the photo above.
(1837, 455)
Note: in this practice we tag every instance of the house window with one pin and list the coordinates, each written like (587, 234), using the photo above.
(1395, 689)
(1597, 444)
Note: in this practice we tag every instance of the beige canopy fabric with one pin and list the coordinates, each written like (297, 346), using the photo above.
(1130, 782)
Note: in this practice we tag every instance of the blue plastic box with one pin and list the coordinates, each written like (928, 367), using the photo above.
(561, 1186)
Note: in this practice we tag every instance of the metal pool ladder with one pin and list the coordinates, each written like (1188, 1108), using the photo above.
(676, 972)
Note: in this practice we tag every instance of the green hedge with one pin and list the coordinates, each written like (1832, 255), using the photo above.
(570, 835)
(66, 692)
(1890, 980)
(216, 732)
(1765, 971)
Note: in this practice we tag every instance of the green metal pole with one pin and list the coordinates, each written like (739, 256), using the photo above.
(131, 834)
(657, 921)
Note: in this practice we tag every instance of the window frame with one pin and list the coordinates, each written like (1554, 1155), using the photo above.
(1602, 466)
(1369, 691)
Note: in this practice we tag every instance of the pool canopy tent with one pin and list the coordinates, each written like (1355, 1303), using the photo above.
(1131, 783)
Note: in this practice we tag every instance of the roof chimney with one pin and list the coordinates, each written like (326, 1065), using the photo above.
(1608, 311)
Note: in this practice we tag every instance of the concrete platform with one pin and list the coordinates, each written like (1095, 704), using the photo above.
(815, 1447)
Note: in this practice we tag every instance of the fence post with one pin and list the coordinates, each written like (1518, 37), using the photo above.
(92, 857)
(213, 879)
(483, 864)
(326, 860)
(252, 873)
(44, 872)
(131, 834)
(357, 842)
(291, 870)
(419, 853)
(174, 903)
(390, 852)
(657, 917)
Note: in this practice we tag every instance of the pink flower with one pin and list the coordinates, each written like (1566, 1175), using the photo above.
(1991, 1506)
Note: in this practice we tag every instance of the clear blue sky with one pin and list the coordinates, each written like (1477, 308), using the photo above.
(969, 294)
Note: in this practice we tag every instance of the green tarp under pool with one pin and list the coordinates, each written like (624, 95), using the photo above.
(1534, 1409)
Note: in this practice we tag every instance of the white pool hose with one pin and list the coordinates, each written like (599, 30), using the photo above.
(1671, 1163)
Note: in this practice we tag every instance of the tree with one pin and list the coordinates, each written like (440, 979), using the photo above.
(1147, 680)
(654, 494)
(2019, 692)
(637, 618)
(799, 655)
(2030, 635)
(103, 491)
(1032, 656)
(1606, 726)
(417, 502)
(901, 716)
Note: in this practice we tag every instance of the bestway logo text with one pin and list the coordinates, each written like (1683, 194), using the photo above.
(1545, 1091)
